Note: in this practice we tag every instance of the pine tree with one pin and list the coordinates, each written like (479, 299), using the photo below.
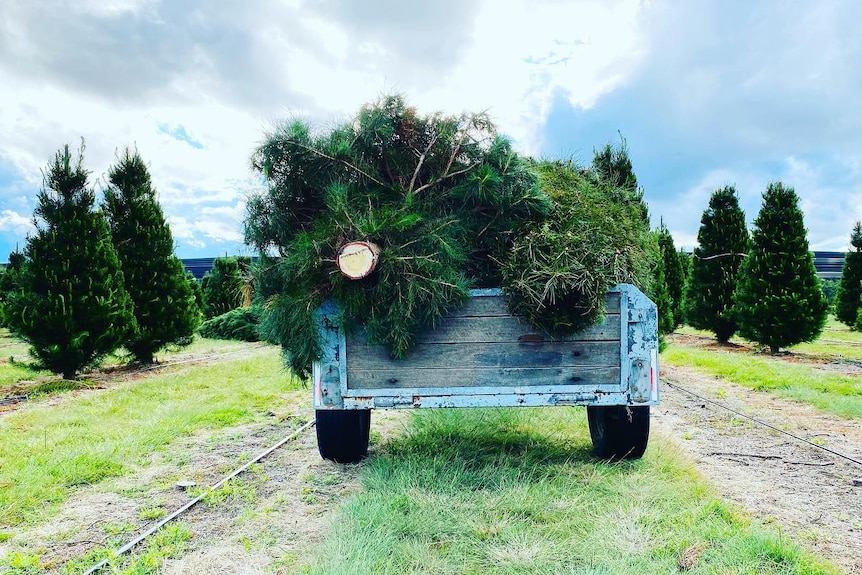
(779, 301)
(197, 291)
(72, 307)
(10, 282)
(674, 277)
(663, 301)
(165, 307)
(850, 288)
(222, 286)
(722, 244)
(614, 166)
(685, 264)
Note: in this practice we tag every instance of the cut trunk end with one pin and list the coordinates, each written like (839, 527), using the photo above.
(356, 260)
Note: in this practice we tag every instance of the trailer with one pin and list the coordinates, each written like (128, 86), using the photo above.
(482, 356)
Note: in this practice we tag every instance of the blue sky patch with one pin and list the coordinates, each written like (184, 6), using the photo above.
(180, 134)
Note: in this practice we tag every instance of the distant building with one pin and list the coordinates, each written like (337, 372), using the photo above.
(829, 265)
(198, 266)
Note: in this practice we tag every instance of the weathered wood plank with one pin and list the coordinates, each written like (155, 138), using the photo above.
(496, 306)
(481, 377)
(542, 354)
(503, 328)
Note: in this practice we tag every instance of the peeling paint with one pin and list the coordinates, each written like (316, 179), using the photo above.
(635, 384)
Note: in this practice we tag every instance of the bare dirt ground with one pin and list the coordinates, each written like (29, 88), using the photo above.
(814, 495)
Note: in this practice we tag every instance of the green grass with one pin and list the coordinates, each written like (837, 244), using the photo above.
(12, 372)
(48, 450)
(168, 543)
(516, 491)
(837, 340)
(832, 392)
(835, 330)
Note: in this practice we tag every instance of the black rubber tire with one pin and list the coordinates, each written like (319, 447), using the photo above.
(342, 434)
(618, 431)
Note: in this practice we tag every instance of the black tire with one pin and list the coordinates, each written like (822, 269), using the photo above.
(342, 434)
(618, 431)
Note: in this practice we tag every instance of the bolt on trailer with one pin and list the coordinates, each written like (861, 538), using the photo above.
(482, 356)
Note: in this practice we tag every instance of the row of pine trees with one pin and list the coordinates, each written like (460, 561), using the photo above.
(762, 286)
(91, 280)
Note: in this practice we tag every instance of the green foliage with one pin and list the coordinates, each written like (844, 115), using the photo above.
(858, 325)
(723, 242)
(72, 307)
(10, 281)
(613, 166)
(197, 291)
(239, 324)
(594, 237)
(674, 279)
(685, 263)
(223, 285)
(830, 291)
(440, 195)
(165, 308)
(663, 301)
(779, 301)
(850, 288)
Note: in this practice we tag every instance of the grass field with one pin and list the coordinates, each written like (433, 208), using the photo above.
(462, 492)
(516, 491)
(837, 340)
(49, 449)
(832, 392)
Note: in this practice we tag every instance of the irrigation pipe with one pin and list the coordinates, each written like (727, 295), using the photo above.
(128, 546)
(760, 422)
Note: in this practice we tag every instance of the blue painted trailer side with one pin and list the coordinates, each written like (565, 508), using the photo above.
(634, 382)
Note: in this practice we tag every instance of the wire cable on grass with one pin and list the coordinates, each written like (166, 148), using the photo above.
(128, 546)
(760, 422)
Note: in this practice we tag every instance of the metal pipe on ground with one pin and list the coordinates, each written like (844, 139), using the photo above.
(131, 544)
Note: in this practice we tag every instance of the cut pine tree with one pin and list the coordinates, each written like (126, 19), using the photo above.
(357, 260)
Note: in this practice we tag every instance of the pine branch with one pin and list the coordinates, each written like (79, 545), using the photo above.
(333, 159)
(446, 177)
(719, 256)
(422, 161)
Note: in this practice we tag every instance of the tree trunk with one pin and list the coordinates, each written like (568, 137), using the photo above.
(357, 260)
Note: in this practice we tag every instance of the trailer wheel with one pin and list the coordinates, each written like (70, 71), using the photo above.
(618, 431)
(342, 434)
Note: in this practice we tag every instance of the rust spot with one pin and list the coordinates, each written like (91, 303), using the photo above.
(531, 338)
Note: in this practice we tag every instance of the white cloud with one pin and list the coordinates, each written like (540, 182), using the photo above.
(201, 225)
(521, 57)
(141, 69)
(14, 222)
(744, 85)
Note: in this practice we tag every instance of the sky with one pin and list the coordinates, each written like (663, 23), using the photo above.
(706, 93)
